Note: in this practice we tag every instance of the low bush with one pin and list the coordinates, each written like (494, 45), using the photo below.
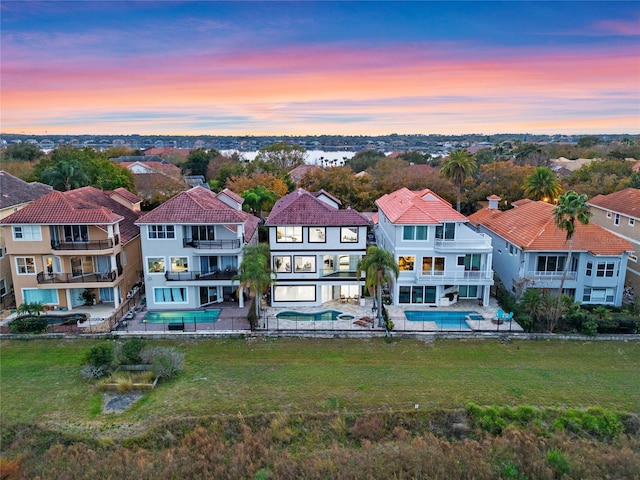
(166, 362)
(101, 355)
(130, 351)
(28, 324)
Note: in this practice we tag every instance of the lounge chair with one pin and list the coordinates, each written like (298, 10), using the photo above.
(362, 323)
(507, 318)
(500, 314)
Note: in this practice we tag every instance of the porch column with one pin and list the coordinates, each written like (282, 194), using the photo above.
(241, 297)
(67, 293)
(485, 295)
(116, 297)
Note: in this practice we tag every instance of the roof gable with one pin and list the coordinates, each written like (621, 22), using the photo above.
(423, 207)
(625, 202)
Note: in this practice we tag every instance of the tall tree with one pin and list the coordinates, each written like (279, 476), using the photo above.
(258, 200)
(571, 209)
(542, 184)
(198, 161)
(66, 175)
(457, 168)
(255, 271)
(379, 267)
(282, 155)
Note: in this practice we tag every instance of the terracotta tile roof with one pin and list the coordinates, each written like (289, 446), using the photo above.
(626, 202)
(322, 191)
(83, 206)
(233, 196)
(126, 194)
(303, 208)
(301, 170)
(14, 191)
(199, 206)
(423, 207)
(183, 152)
(531, 227)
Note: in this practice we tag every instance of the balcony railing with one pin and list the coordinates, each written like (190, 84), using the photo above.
(482, 242)
(538, 275)
(92, 245)
(212, 244)
(225, 274)
(451, 275)
(46, 278)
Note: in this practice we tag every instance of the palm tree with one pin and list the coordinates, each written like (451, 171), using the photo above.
(457, 167)
(65, 176)
(378, 265)
(542, 184)
(571, 208)
(255, 271)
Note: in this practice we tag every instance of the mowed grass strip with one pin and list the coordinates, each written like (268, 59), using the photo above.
(40, 379)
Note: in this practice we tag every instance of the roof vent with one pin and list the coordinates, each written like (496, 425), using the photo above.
(494, 200)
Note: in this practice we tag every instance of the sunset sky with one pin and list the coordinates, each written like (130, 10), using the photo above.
(261, 68)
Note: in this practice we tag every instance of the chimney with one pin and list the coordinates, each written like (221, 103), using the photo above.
(494, 200)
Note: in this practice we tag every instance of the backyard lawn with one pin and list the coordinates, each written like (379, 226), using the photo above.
(41, 383)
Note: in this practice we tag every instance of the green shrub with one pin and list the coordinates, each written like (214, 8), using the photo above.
(131, 349)
(558, 461)
(101, 355)
(166, 362)
(590, 327)
(28, 324)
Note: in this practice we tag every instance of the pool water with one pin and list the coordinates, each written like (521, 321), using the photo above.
(443, 320)
(327, 315)
(195, 316)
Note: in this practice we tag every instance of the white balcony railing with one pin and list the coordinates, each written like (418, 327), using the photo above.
(550, 276)
(482, 242)
(455, 275)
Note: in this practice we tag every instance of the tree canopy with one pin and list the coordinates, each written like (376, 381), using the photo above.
(457, 168)
(542, 184)
(282, 155)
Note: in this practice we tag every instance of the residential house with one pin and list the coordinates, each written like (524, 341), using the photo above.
(619, 213)
(192, 247)
(315, 249)
(530, 251)
(14, 195)
(154, 178)
(300, 171)
(440, 256)
(69, 248)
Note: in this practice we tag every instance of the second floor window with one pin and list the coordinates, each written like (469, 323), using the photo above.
(291, 234)
(75, 233)
(155, 264)
(406, 263)
(605, 269)
(27, 232)
(349, 235)
(25, 265)
(162, 231)
(446, 231)
(550, 263)
(317, 234)
(179, 264)
(414, 232)
(203, 232)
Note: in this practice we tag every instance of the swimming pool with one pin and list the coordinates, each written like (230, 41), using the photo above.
(195, 316)
(443, 320)
(327, 315)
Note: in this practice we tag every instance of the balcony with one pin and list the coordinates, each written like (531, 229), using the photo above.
(226, 274)
(94, 277)
(482, 242)
(212, 244)
(92, 245)
(455, 276)
(550, 276)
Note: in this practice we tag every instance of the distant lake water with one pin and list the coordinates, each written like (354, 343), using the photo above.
(313, 156)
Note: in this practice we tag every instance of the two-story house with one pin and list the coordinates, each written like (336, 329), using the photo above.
(68, 247)
(440, 257)
(530, 251)
(14, 195)
(619, 213)
(192, 248)
(315, 249)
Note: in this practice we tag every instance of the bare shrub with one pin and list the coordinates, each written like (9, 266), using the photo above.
(166, 362)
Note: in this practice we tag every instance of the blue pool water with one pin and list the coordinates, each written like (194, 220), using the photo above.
(199, 316)
(443, 320)
(327, 315)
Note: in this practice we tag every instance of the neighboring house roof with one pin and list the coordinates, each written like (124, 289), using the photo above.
(301, 170)
(199, 206)
(83, 206)
(183, 152)
(196, 181)
(625, 202)
(303, 208)
(127, 195)
(323, 192)
(146, 168)
(139, 158)
(14, 191)
(423, 207)
(531, 226)
(233, 196)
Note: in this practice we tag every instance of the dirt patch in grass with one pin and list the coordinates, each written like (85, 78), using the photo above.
(118, 403)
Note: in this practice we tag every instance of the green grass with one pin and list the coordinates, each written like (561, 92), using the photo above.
(40, 379)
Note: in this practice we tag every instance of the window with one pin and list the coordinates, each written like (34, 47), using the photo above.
(589, 269)
(632, 222)
(317, 235)
(155, 264)
(605, 269)
(616, 219)
(468, 291)
(25, 265)
(349, 235)
(3, 287)
(304, 264)
(35, 295)
(2, 250)
(75, 233)
(51, 264)
(289, 234)
(598, 295)
(550, 263)
(472, 261)
(179, 264)
(417, 232)
(432, 265)
(208, 295)
(282, 263)
(446, 231)
(170, 295)
(294, 293)
(633, 257)
(202, 232)
(406, 263)
(27, 232)
(161, 231)
(608, 214)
